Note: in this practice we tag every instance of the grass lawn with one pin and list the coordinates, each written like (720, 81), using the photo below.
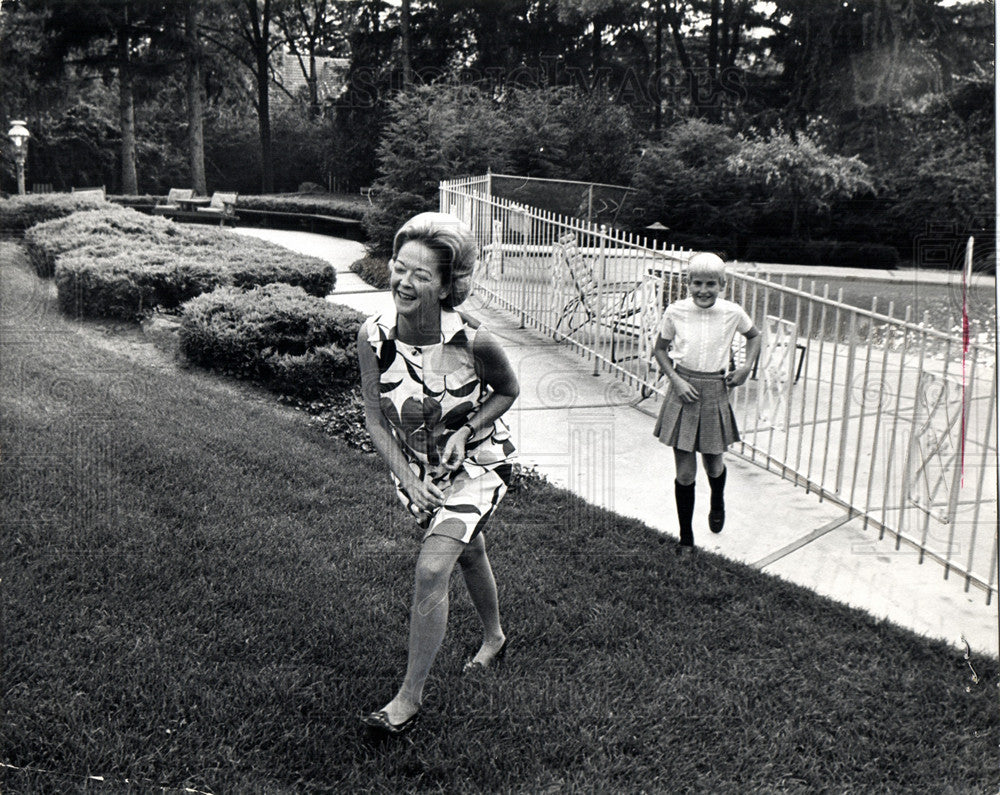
(201, 589)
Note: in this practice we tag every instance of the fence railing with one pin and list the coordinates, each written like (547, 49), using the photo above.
(881, 414)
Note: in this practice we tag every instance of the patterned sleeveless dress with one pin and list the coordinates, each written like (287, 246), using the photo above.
(427, 393)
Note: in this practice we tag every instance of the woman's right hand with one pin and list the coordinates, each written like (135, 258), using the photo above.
(685, 391)
(424, 494)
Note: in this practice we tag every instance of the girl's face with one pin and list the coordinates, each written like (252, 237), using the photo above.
(704, 288)
(415, 279)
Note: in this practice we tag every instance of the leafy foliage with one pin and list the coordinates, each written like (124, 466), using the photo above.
(117, 262)
(796, 175)
(433, 134)
(21, 212)
(276, 335)
(373, 271)
(686, 184)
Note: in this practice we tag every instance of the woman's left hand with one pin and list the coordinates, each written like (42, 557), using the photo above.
(454, 449)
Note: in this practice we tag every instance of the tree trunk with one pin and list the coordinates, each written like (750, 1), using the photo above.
(195, 101)
(126, 108)
(404, 31)
(595, 48)
(313, 82)
(658, 112)
(264, 124)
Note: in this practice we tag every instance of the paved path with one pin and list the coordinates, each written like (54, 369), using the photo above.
(586, 434)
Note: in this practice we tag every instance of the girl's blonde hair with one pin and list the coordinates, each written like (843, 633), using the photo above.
(705, 263)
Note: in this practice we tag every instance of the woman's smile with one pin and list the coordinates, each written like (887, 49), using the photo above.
(415, 278)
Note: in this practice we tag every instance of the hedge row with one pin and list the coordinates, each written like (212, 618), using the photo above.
(50, 239)
(373, 271)
(822, 252)
(318, 203)
(311, 203)
(116, 262)
(18, 213)
(786, 250)
(275, 335)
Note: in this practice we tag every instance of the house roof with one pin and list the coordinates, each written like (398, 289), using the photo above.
(331, 74)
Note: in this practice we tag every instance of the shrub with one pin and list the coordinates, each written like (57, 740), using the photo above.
(312, 203)
(684, 182)
(373, 271)
(821, 252)
(129, 283)
(47, 240)
(20, 212)
(276, 335)
(116, 262)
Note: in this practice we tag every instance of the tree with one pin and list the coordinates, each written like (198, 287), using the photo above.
(312, 28)
(684, 182)
(797, 175)
(195, 96)
(115, 37)
(242, 28)
(433, 133)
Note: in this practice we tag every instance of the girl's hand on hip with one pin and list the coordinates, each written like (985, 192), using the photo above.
(738, 376)
(685, 391)
(424, 494)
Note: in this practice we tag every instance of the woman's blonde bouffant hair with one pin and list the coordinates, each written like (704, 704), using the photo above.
(452, 241)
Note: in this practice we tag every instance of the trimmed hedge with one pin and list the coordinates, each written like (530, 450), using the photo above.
(99, 282)
(318, 203)
(821, 252)
(116, 262)
(783, 250)
(310, 203)
(21, 212)
(275, 335)
(47, 240)
(374, 271)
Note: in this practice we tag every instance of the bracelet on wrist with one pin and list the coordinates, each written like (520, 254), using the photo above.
(472, 431)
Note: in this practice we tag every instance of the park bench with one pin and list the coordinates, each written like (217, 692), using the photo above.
(222, 206)
(172, 204)
(97, 191)
(198, 208)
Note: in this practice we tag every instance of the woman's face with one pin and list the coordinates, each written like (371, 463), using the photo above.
(415, 279)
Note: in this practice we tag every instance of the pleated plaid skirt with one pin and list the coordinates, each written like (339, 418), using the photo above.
(707, 425)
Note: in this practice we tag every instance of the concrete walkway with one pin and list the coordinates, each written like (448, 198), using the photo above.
(586, 433)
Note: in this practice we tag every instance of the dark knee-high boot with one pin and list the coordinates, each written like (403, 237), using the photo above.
(717, 509)
(685, 511)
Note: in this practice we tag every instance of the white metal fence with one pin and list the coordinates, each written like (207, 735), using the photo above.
(881, 414)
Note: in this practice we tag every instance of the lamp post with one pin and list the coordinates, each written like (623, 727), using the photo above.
(19, 134)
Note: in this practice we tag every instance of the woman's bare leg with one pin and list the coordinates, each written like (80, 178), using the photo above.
(428, 620)
(482, 587)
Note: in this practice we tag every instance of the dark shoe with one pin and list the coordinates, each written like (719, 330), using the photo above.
(472, 665)
(685, 550)
(379, 721)
(716, 519)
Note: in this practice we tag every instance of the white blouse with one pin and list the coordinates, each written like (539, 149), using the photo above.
(701, 338)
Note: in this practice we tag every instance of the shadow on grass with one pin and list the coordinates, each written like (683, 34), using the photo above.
(202, 590)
